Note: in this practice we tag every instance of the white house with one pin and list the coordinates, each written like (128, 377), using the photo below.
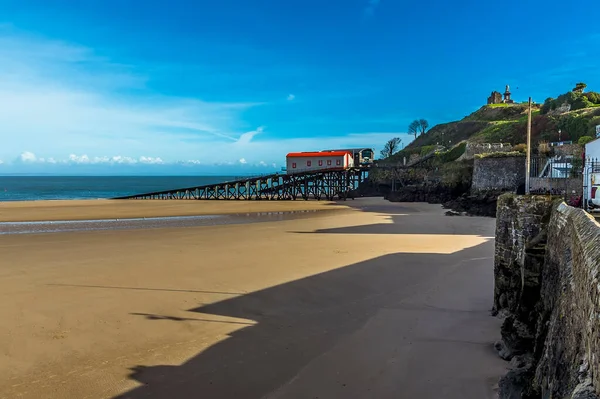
(298, 162)
(591, 175)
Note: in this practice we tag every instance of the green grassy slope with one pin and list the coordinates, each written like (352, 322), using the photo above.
(506, 123)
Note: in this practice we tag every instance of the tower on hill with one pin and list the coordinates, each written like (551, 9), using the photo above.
(496, 97)
(507, 99)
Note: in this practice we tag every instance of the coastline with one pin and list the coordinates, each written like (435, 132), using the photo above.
(65, 210)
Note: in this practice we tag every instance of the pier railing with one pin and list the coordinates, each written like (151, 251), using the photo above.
(326, 184)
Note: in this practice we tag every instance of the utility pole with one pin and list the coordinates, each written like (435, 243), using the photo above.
(528, 166)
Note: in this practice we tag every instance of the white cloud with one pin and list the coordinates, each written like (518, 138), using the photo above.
(291, 97)
(150, 160)
(262, 163)
(73, 159)
(245, 138)
(27, 157)
(243, 161)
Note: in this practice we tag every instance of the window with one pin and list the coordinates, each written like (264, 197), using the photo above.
(308, 163)
(293, 165)
(338, 162)
(329, 162)
(320, 162)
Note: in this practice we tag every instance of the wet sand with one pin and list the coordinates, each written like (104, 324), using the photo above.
(382, 300)
(111, 209)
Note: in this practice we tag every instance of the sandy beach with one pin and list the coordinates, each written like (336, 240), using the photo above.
(377, 299)
(18, 211)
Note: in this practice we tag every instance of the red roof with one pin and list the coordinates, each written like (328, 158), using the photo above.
(318, 154)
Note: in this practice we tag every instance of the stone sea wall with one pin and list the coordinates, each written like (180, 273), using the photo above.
(547, 264)
(498, 173)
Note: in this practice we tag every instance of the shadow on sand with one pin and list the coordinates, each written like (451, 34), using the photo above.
(297, 322)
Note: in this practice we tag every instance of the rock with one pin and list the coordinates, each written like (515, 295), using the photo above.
(514, 385)
(585, 390)
(479, 204)
(517, 338)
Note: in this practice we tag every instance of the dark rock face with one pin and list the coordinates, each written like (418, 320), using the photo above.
(371, 189)
(457, 199)
(483, 203)
(547, 263)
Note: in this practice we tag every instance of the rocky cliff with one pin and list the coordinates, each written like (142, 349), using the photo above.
(547, 264)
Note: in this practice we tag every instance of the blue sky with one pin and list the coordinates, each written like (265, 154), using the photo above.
(233, 85)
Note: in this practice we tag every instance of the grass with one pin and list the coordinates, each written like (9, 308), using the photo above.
(498, 132)
(523, 118)
(500, 105)
(500, 155)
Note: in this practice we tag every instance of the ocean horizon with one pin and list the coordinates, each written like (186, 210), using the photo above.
(52, 187)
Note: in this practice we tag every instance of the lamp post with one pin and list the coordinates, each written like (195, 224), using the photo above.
(528, 165)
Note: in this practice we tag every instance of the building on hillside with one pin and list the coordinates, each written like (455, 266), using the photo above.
(298, 162)
(496, 97)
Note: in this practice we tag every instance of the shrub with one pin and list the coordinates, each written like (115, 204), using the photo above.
(544, 148)
(520, 148)
(584, 140)
(499, 155)
(581, 102)
(426, 149)
(453, 154)
(548, 106)
(593, 97)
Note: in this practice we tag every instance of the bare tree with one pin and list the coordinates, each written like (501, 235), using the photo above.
(413, 128)
(423, 125)
(391, 147)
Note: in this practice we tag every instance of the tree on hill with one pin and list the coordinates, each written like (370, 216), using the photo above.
(413, 128)
(579, 87)
(423, 125)
(391, 147)
(418, 126)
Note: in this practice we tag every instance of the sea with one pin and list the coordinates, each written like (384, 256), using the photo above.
(33, 188)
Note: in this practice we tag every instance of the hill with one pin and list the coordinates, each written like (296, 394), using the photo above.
(575, 114)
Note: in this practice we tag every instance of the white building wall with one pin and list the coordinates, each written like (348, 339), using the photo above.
(301, 163)
(591, 177)
(592, 149)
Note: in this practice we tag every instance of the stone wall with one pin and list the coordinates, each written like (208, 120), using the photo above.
(572, 185)
(570, 306)
(498, 173)
(473, 149)
(547, 263)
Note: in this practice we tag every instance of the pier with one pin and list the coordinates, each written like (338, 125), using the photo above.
(319, 185)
